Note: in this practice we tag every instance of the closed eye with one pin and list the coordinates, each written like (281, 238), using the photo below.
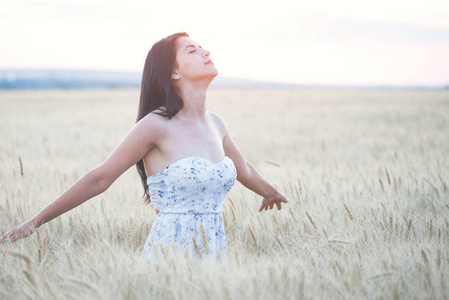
(193, 47)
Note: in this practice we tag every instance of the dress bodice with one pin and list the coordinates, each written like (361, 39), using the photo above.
(192, 185)
(189, 194)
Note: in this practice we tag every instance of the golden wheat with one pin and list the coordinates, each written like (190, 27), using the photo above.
(366, 173)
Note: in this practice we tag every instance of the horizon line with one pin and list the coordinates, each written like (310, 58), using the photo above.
(254, 81)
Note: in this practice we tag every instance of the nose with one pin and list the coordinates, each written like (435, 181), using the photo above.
(206, 53)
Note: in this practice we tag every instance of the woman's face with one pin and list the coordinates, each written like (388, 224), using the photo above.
(192, 62)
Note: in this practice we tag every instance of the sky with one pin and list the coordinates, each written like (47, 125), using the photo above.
(322, 42)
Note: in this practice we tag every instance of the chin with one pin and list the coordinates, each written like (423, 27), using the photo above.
(210, 78)
(212, 74)
(215, 73)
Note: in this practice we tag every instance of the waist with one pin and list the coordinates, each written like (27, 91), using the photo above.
(191, 213)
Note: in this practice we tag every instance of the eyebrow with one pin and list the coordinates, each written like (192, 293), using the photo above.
(191, 46)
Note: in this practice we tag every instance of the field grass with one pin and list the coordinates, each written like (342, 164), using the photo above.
(367, 174)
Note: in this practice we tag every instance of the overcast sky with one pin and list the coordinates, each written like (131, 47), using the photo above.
(324, 42)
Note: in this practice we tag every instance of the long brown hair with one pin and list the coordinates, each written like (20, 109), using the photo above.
(157, 93)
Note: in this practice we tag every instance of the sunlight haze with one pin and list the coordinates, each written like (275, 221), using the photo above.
(346, 43)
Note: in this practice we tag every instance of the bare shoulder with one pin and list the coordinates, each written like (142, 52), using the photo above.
(218, 122)
(153, 123)
(153, 119)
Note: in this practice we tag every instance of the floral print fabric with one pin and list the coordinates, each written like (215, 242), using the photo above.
(189, 193)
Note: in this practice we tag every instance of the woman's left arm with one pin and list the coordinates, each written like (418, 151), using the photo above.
(250, 178)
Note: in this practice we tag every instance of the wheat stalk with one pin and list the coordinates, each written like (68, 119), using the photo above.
(23, 184)
(311, 221)
(349, 212)
(86, 284)
(253, 236)
(204, 239)
(197, 249)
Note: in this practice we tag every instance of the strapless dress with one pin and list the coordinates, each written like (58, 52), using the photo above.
(189, 195)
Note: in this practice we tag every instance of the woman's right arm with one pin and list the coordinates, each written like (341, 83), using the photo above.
(139, 141)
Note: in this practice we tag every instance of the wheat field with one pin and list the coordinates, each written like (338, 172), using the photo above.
(366, 172)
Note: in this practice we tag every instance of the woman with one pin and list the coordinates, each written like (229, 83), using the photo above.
(184, 155)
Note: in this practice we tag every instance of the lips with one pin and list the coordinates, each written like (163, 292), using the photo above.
(209, 62)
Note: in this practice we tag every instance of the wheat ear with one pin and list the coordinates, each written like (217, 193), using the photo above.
(204, 239)
(23, 184)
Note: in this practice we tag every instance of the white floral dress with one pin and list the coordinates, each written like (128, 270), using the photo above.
(189, 193)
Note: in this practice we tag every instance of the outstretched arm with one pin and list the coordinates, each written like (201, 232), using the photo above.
(250, 178)
(134, 146)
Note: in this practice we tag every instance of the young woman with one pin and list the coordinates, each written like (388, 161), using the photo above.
(184, 154)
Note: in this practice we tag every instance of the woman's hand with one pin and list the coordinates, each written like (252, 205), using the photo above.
(18, 232)
(269, 202)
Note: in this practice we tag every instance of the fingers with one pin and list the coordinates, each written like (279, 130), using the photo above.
(263, 205)
(267, 204)
(278, 204)
(17, 233)
(11, 237)
(282, 198)
(6, 238)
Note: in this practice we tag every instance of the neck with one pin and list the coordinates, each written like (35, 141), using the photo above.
(194, 98)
